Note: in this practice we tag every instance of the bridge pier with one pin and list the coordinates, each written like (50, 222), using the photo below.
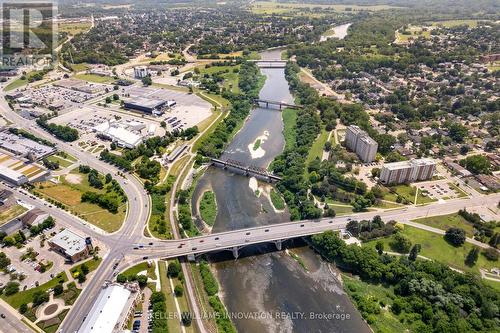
(278, 244)
(235, 252)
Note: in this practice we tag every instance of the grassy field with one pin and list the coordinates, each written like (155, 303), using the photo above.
(316, 150)
(289, 120)
(386, 321)
(70, 193)
(436, 248)
(92, 264)
(408, 193)
(415, 32)
(73, 28)
(26, 296)
(79, 67)
(445, 222)
(277, 200)
(231, 78)
(11, 213)
(63, 163)
(143, 266)
(271, 7)
(454, 23)
(208, 207)
(173, 325)
(20, 81)
(94, 78)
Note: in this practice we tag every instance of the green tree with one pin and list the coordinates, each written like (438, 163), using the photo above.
(379, 247)
(401, 243)
(174, 268)
(455, 236)
(472, 256)
(11, 288)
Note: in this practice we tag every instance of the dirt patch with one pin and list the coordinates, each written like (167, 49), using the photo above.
(73, 178)
(52, 308)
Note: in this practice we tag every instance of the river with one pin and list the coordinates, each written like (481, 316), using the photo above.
(339, 32)
(267, 290)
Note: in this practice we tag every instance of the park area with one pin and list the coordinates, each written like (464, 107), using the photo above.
(435, 247)
(68, 191)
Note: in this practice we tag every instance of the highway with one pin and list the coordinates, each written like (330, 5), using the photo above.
(122, 244)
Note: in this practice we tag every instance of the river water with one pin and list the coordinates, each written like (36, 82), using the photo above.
(339, 32)
(267, 290)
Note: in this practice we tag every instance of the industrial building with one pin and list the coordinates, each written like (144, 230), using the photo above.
(148, 105)
(360, 142)
(112, 308)
(407, 171)
(71, 245)
(23, 147)
(124, 134)
(17, 171)
(12, 176)
(140, 72)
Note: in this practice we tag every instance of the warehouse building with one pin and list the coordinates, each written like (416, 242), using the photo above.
(124, 134)
(112, 308)
(360, 142)
(12, 176)
(407, 171)
(149, 105)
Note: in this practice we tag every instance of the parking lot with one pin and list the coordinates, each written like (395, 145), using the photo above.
(189, 110)
(86, 118)
(440, 191)
(32, 268)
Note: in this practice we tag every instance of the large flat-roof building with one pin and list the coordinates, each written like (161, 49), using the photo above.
(148, 105)
(360, 142)
(408, 171)
(73, 246)
(124, 134)
(12, 176)
(24, 147)
(111, 309)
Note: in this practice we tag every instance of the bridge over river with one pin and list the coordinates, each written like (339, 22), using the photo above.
(248, 170)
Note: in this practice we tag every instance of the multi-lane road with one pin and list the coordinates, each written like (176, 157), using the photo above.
(123, 245)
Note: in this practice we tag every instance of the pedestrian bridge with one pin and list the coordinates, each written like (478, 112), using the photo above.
(268, 104)
(250, 170)
(270, 63)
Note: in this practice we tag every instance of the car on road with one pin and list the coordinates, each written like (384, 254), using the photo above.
(193, 249)
(2, 315)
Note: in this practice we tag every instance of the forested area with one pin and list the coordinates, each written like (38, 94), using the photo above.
(114, 195)
(250, 81)
(323, 177)
(428, 296)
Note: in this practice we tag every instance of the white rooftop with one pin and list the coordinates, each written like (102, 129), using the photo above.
(124, 135)
(106, 311)
(71, 242)
(409, 164)
(12, 174)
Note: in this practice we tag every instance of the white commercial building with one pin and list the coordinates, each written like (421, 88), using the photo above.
(111, 309)
(123, 134)
(360, 142)
(407, 171)
(12, 176)
(140, 72)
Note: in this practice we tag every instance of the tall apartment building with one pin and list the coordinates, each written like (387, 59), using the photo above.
(407, 171)
(360, 142)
